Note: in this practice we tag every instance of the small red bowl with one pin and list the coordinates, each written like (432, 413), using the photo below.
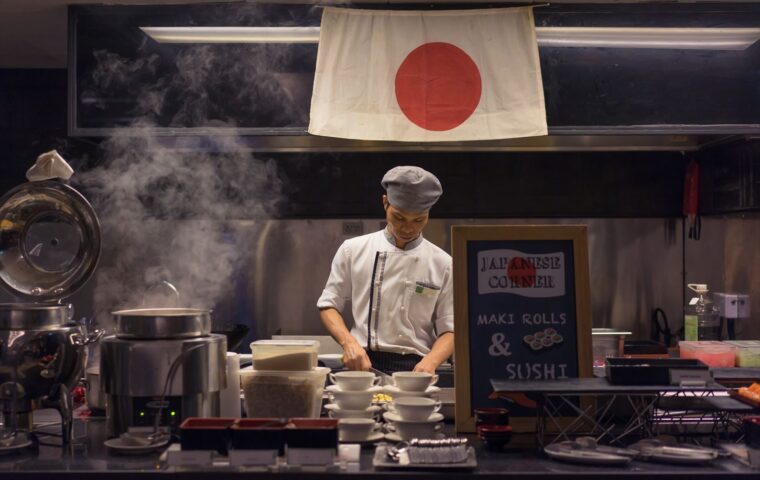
(491, 416)
(494, 437)
(487, 429)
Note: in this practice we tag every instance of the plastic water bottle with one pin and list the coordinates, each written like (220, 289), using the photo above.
(702, 319)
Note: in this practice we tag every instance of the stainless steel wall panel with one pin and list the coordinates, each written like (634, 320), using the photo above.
(635, 265)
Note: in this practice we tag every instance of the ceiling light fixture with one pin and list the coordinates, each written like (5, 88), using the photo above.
(603, 37)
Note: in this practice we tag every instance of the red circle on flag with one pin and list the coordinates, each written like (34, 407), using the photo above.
(521, 272)
(438, 86)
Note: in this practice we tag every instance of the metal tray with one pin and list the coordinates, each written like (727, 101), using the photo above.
(382, 461)
(587, 457)
(653, 371)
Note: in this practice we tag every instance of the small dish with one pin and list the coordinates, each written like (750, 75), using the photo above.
(20, 441)
(395, 392)
(394, 437)
(117, 445)
(335, 388)
(396, 418)
(369, 412)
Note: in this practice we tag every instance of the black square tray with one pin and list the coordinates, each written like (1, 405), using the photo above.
(650, 371)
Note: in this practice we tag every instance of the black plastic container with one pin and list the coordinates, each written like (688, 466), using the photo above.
(644, 347)
(206, 434)
(653, 371)
(259, 434)
(312, 433)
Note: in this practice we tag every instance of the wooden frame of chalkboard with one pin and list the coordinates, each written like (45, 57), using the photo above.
(522, 310)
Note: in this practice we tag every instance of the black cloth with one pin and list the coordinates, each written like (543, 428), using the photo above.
(389, 362)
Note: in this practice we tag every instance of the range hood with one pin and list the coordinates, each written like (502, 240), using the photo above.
(597, 99)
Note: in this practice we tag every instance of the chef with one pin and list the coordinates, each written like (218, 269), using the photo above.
(398, 284)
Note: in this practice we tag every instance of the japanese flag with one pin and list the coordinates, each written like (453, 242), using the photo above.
(428, 76)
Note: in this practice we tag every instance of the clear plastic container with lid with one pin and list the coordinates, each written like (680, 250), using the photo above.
(711, 353)
(276, 394)
(701, 320)
(747, 352)
(284, 355)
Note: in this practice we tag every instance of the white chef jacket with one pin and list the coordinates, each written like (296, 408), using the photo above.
(411, 298)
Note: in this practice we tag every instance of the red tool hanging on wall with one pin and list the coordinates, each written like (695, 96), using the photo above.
(691, 200)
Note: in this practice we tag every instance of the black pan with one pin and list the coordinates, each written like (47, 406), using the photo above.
(235, 334)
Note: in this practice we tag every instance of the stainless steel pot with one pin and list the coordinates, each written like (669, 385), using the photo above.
(162, 323)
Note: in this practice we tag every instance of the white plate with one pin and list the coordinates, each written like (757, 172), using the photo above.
(395, 417)
(394, 391)
(373, 390)
(694, 459)
(589, 457)
(394, 437)
(117, 445)
(334, 407)
(19, 442)
(374, 437)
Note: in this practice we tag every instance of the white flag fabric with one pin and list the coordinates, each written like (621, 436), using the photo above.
(452, 75)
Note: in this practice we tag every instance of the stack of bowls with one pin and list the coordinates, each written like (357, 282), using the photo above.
(414, 411)
(492, 425)
(413, 417)
(351, 396)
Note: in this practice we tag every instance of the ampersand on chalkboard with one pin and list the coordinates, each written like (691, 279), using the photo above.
(499, 348)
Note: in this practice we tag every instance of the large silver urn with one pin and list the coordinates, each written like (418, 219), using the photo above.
(49, 247)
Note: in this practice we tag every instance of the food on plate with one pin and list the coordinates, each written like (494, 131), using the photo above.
(381, 398)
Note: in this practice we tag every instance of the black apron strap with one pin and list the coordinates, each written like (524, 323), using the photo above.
(389, 362)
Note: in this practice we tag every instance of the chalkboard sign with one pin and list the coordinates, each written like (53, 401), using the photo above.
(522, 312)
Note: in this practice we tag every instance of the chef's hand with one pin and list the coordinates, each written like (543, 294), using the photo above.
(426, 365)
(355, 357)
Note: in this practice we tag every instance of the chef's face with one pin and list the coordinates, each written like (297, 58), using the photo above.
(404, 226)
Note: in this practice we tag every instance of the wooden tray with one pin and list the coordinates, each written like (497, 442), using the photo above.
(733, 393)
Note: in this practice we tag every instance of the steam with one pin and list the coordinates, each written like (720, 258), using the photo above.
(167, 214)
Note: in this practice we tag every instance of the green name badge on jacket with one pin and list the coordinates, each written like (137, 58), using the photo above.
(427, 289)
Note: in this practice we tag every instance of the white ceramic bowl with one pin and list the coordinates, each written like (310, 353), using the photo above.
(334, 411)
(414, 408)
(354, 381)
(356, 429)
(351, 400)
(413, 381)
(410, 430)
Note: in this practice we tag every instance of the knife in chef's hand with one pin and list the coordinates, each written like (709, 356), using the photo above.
(386, 379)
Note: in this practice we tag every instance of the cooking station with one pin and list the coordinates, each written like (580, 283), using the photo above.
(537, 222)
(89, 459)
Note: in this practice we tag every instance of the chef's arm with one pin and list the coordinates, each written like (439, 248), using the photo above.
(354, 356)
(441, 350)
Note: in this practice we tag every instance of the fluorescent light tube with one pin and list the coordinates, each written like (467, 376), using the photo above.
(602, 37)
(632, 37)
(233, 34)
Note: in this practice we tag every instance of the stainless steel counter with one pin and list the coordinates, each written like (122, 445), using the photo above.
(88, 458)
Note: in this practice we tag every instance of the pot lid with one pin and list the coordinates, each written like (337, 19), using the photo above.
(49, 241)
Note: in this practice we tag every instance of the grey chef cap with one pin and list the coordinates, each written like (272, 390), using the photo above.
(411, 188)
